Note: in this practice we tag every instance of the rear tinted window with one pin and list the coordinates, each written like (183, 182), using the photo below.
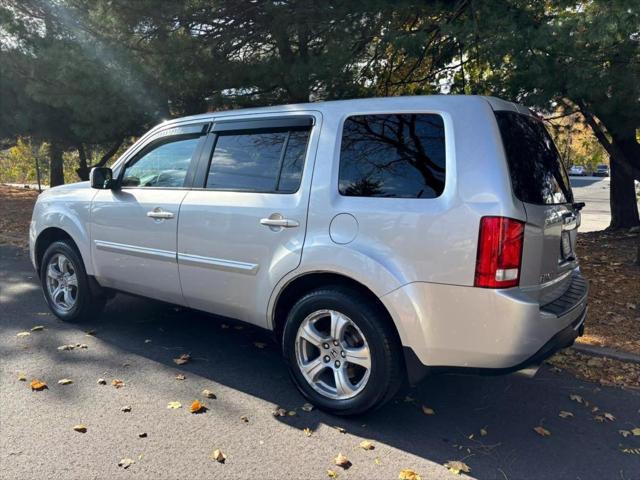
(392, 155)
(537, 174)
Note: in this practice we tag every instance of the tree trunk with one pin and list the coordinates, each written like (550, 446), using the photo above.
(56, 171)
(624, 206)
(83, 169)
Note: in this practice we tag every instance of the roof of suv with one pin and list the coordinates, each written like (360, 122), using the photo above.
(355, 105)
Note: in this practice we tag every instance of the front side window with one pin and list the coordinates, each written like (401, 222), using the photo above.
(164, 165)
(268, 161)
(393, 155)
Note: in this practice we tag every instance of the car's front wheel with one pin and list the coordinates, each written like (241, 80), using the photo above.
(343, 353)
(66, 285)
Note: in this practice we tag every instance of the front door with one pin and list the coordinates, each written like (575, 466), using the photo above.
(244, 230)
(134, 226)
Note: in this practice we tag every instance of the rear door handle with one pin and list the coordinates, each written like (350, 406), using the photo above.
(279, 222)
(158, 213)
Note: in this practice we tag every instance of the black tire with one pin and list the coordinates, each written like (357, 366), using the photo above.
(387, 367)
(90, 298)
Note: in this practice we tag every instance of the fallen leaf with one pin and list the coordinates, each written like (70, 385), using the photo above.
(142, 435)
(80, 428)
(218, 456)
(208, 394)
(147, 340)
(37, 328)
(38, 385)
(22, 377)
(599, 418)
(636, 432)
(126, 462)
(101, 381)
(632, 451)
(483, 432)
(180, 377)
(377, 461)
(624, 433)
(126, 365)
(307, 407)
(126, 408)
(307, 432)
(259, 345)
(456, 467)
(332, 474)
(244, 419)
(66, 347)
(197, 407)
(565, 414)
(428, 411)
(174, 405)
(83, 345)
(609, 417)
(65, 381)
(117, 383)
(341, 429)
(291, 413)
(342, 461)
(367, 445)
(22, 334)
(279, 412)
(576, 398)
(182, 359)
(543, 432)
(408, 474)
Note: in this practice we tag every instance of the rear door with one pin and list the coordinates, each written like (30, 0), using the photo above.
(540, 181)
(244, 228)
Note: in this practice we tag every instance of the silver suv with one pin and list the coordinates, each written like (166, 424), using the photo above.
(379, 239)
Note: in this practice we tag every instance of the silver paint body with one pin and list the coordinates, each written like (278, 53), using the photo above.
(417, 255)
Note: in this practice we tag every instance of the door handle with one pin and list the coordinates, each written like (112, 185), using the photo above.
(279, 222)
(158, 213)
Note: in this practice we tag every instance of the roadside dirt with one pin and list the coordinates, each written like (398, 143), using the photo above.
(16, 205)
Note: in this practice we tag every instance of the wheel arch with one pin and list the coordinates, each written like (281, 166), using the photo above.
(48, 236)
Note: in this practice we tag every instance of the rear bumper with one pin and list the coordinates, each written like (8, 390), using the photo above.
(444, 327)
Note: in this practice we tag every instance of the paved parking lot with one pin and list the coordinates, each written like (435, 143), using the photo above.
(135, 341)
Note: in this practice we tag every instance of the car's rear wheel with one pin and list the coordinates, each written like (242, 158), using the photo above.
(343, 353)
(67, 288)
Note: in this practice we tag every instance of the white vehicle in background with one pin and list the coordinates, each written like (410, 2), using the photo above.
(379, 239)
(577, 171)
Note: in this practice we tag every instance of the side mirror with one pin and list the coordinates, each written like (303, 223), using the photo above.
(101, 178)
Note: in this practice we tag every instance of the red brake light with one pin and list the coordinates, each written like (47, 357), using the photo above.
(499, 252)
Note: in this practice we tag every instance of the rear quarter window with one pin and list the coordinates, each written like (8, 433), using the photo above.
(393, 156)
(537, 174)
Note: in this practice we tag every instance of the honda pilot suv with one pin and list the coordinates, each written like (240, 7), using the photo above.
(379, 239)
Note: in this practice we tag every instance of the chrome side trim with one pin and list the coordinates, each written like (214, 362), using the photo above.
(218, 264)
(164, 255)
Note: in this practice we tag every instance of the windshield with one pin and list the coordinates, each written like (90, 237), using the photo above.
(537, 174)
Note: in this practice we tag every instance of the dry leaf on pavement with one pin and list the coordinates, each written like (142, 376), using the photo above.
(126, 408)
(22, 334)
(341, 429)
(259, 345)
(543, 432)
(218, 456)
(624, 433)
(279, 412)
(332, 474)
(565, 414)
(182, 359)
(180, 377)
(80, 428)
(428, 411)
(174, 405)
(367, 445)
(208, 394)
(342, 461)
(456, 467)
(244, 419)
(37, 328)
(307, 407)
(408, 474)
(142, 435)
(307, 432)
(576, 398)
(101, 381)
(197, 407)
(38, 385)
(22, 377)
(66, 347)
(126, 462)
(609, 417)
(117, 383)
(377, 461)
(636, 432)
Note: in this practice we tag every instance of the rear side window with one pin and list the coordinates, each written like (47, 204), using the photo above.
(537, 174)
(268, 161)
(392, 155)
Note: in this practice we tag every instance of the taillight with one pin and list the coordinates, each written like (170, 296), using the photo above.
(499, 252)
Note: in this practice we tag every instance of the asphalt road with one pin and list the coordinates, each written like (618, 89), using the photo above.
(594, 191)
(37, 440)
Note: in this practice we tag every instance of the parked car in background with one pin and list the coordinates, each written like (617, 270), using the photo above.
(379, 239)
(577, 171)
(602, 171)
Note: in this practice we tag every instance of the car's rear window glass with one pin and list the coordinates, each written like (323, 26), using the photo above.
(260, 161)
(393, 155)
(537, 174)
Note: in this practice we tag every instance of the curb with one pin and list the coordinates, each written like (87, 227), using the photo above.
(606, 352)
